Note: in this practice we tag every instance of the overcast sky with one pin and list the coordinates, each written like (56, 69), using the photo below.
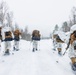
(41, 14)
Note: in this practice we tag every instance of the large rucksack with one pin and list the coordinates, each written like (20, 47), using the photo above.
(36, 35)
(58, 39)
(16, 35)
(8, 36)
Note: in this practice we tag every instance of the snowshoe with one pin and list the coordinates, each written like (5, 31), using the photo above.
(14, 49)
(17, 49)
(7, 52)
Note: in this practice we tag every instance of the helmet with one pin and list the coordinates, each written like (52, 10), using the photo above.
(73, 28)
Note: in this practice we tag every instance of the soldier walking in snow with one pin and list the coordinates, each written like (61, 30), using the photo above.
(35, 38)
(17, 36)
(7, 37)
(59, 44)
(72, 47)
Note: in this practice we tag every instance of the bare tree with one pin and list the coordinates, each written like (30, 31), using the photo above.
(74, 15)
(16, 26)
(3, 11)
(56, 27)
(26, 30)
(65, 26)
(9, 18)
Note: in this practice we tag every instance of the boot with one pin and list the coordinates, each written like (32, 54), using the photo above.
(54, 49)
(36, 49)
(74, 66)
(33, 50)
(14, 48)
(59, 52)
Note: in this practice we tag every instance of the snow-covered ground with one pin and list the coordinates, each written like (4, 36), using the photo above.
(45, 61)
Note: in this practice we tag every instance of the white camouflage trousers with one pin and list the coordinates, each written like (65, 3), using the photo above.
(59, 45)
(35, 44)
(54, 44)
(72, 52)
(16, 44)
(7, 45)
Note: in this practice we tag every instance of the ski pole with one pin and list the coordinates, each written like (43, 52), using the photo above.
(64, 52)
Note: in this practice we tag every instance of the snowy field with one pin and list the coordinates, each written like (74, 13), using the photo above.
(45, 61)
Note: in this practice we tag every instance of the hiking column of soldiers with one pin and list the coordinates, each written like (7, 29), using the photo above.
(6, 36)
(35, 38)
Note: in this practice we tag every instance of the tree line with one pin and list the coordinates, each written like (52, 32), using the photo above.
(67, 24)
